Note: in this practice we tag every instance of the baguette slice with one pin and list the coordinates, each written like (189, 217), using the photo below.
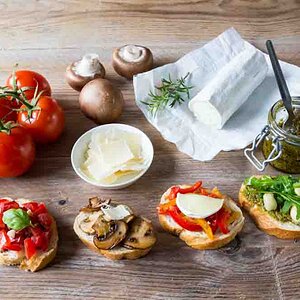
(265, 222)
(39, 260)
(199, 240)
(117, 253)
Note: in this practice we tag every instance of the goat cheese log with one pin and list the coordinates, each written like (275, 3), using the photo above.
(231, 87)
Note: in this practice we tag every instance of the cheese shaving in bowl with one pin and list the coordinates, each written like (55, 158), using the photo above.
(114, 156)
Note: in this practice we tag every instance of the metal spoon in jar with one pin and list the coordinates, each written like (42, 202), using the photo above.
(285, 94)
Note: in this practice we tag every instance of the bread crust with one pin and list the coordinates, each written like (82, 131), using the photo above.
(199, 240)
(39, 260)
(116, 253)
(265, 221)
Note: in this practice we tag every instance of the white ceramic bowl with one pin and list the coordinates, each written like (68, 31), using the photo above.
(81, 145)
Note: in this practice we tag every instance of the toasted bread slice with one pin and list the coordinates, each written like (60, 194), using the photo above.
(265, 222)
(116, 253)
(199, 240)
(37, 261)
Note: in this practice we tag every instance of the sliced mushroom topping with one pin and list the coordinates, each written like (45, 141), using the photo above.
(141, 234)
(95, 204)
(129, 218)
(87, 223)
(116, 233)
(101, 227)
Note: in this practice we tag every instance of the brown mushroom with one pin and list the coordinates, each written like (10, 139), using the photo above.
(87, 223)
(101, 101)
(130, 60)
(95, 204)
(141, 234)
(80, 72)
(114, 233)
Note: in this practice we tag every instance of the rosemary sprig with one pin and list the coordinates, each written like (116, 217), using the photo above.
(168, 93)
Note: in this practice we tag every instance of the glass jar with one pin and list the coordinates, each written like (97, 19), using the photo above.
(281, 149)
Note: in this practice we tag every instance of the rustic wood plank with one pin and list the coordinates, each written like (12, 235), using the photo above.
(46, 36)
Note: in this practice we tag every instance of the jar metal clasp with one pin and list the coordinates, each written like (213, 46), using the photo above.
(276, 149)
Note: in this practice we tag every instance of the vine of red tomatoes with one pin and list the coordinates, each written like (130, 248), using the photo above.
(28, 115)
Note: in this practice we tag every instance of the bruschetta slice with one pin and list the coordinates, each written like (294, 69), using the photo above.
(28, 234)
(202, 218)
(113, 230)
(273, 202)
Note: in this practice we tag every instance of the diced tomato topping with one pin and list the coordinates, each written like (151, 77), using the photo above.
(2, 225)
(4, 239)
(13, 247)
(41, 209)
(32, 237)
(33, 206)
(45, 220)
(30, 248)
(6, 205)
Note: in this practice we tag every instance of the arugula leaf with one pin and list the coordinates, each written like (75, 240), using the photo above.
(283, 188)
(16, 218)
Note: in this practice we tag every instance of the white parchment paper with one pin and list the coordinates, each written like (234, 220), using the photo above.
(179, 126)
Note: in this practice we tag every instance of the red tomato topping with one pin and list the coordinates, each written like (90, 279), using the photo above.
(2, 225)
(6, 205)
(45, 220)
(32, 237)
(30, 248)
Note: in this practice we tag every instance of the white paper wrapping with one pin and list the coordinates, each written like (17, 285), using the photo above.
(179, 126)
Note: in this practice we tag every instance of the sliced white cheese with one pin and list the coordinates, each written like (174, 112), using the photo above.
(116, 153)
(118, 212)
(230, 88)
(112, 155)
(198, 206)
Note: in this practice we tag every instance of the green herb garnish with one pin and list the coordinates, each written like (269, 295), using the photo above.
(168, 93)
(282, 186)
(16, 218)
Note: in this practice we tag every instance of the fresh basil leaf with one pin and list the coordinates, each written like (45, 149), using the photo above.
(16, 218)
(286, 207)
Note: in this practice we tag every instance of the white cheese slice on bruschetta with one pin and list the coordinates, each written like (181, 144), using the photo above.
(198, 206)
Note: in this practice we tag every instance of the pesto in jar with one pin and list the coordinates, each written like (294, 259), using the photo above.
(289, 160)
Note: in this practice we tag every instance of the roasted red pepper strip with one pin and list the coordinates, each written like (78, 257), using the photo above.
(176, 189)
(222, 218)
(178, 217)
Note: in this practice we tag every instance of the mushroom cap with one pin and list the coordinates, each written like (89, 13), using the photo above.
(141, 234)
(101, 101)
(129, 69)
(77, 82)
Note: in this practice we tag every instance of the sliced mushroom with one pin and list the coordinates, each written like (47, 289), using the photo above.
(141, 234)
(116, 233)
(129, 218)
(80, 72)
(130, 60)
(87, 223)
(95, 204)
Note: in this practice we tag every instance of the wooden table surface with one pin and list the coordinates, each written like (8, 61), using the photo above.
(46, 36)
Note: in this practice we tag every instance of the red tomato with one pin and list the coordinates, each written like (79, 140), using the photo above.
(27, 78)
(30, 248)
(46, 124)
(33, 206)
(17, 152)
(2, 224)
(45, 220)
(6, 110)
(12, 246)
(4, 239)
(6, 205)
(41, 209)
